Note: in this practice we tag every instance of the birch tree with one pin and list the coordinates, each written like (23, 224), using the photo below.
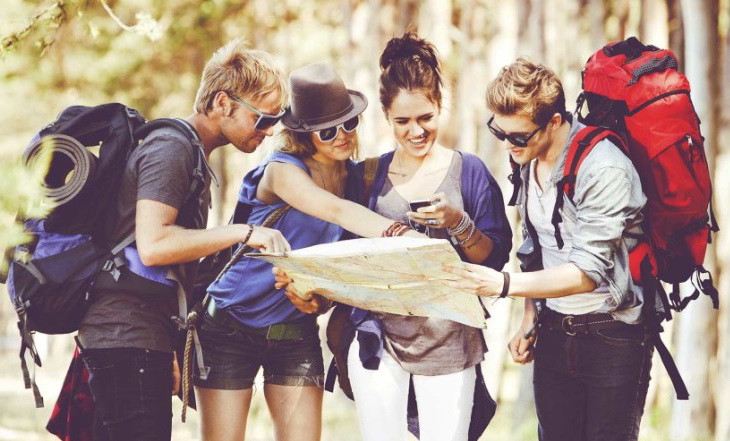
(695, 329)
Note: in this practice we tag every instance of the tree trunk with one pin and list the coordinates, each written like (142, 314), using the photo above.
(596, 23)
(722, 208)
(695, 330)
(502, 50)
(655, 23)
(676, 31)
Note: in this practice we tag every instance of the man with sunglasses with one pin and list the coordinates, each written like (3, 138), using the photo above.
(592, 356)
(127, 337)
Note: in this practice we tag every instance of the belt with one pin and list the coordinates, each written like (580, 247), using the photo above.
(579, 323)
(280, 331)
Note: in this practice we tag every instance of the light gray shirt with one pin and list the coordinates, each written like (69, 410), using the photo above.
(604, 219)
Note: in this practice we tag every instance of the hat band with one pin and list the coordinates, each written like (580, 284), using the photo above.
(306, 123)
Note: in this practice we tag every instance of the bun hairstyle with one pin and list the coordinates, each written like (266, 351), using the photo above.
(409, 63)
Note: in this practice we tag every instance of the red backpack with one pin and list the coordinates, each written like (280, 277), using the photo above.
(637, 98)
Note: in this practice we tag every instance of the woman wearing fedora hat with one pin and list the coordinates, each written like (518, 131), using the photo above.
(464, 204)
(249, 324)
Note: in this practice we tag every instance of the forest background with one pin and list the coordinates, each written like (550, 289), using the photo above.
(149, 54)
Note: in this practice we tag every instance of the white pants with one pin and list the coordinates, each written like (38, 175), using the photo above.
(381, 398)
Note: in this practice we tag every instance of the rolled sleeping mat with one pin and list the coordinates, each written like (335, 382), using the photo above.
(71, 170)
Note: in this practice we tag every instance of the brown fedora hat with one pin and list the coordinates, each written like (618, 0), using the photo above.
(320, 100)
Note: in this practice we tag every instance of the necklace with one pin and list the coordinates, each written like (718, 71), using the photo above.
(400, 173)
(337, 187)
(403, 174)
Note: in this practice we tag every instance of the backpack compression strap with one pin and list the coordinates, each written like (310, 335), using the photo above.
(652, 288)
(371, 167)
(581, 145)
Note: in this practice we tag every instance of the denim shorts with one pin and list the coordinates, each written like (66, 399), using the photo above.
(234, 357)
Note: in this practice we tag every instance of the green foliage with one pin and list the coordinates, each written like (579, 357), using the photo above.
(23, 198)
(44, 25)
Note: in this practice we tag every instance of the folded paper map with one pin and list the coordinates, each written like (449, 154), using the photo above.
(399, 275)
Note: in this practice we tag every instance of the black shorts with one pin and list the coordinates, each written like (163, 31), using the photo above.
(235, 355)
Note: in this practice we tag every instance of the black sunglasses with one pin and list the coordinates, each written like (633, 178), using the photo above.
(515, 140)
(330, 133)
(265, 120)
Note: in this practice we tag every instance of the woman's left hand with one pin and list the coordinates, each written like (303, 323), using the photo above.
(440, 214)
(313, 303)
(475, 279)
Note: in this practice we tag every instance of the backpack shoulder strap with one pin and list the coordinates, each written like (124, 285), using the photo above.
(516, 179)
(178, 124)
(580, 146)
(371, 168)
(201, 164)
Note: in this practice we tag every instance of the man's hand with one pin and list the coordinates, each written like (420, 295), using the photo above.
(523, 349)
(475, 279)
(268, 240)
(175, 375)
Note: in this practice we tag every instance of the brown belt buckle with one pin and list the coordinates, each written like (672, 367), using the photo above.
(567, 324)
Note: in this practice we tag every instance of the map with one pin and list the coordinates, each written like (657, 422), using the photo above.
(399, 275)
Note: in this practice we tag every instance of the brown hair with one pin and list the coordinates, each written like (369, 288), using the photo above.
(246, 73)
(300, 144)
(527, 89)
(409, 63)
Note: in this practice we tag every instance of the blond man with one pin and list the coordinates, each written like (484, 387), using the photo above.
(592, 353)
(127, 335)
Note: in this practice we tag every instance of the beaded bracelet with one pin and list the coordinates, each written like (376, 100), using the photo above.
(397, 228)
(471, 233)
(461, 227)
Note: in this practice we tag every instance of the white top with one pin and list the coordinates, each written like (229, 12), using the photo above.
(540, 205)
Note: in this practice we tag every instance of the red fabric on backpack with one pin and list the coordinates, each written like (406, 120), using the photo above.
(637, 91)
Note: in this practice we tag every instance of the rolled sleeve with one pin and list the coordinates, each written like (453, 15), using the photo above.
(490, 218)
(605, 202)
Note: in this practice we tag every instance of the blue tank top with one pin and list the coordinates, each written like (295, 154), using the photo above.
(247, 291)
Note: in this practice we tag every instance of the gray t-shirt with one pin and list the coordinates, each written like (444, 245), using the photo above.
(160, 169)
(427, 345)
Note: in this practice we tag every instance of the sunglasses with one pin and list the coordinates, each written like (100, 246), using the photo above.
(330, 133)
(515, 140)
(265, 120)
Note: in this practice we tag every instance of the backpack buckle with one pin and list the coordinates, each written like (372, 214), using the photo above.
(111, 267)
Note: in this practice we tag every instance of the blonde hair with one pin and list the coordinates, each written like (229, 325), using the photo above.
(527, 89)
(246, 73)
(300, 144)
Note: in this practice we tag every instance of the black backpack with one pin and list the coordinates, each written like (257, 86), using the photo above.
(51, 279)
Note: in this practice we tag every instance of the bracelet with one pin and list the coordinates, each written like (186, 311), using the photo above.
(461, 226)
(505, 286)
(248, 235)
(470, 235)
(397, 228)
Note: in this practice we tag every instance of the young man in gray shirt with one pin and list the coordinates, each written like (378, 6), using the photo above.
(127, 336)
(592, 353)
